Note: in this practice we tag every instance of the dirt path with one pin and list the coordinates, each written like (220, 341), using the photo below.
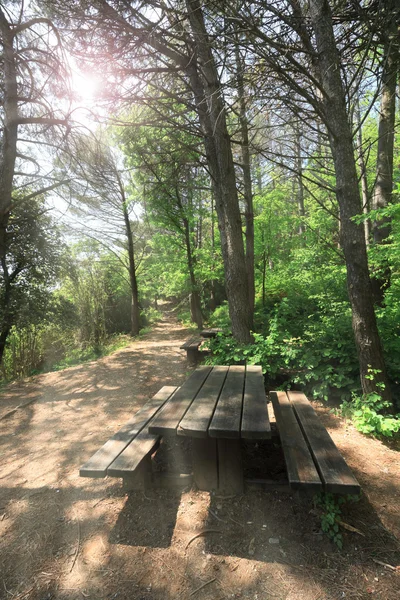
(65, 537)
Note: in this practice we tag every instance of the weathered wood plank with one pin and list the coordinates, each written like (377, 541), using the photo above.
(228, 413)
(333, 469)
(197, 419)
(140, 479)
(205, 464)
(167, 421)
(210, 333)
(97, 465)
(192, 344)
(255, 420)
(299, 462)
(230, 468)
(129, 460)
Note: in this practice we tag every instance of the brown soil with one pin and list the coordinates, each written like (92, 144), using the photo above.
(64, 537)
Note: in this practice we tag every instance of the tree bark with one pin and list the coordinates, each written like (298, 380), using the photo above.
(8, 146)
(7, 313)
(382, 194)
(195, 304)
(365, 328)
(210, 107)
(248, 188)
(212, 302)
(300, 191)
(363, 175)
(135, 313)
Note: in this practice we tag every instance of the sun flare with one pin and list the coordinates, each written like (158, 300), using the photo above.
(86, 87)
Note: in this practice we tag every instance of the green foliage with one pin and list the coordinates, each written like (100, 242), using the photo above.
(79, 320)
(368, 415)
(220, 316)
(308, 343)
(331, 511)
(80, 354)
(30, 267)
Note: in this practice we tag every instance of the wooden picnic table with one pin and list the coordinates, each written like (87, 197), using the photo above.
(217, 407)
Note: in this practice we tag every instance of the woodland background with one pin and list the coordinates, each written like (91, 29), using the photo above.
(241, 160)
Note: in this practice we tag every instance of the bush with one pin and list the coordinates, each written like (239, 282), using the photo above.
(367, 415)
(312, 349)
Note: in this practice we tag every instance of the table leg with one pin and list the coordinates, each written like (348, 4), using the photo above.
(204, 459)
(141, 479)
(230, 468)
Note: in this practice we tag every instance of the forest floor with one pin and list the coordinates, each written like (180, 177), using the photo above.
(63, 537)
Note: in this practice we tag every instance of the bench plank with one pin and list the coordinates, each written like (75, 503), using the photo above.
(210, 333)
(299, 462)
(167, 421)
(197, 419)
(192, 344)
(226, 420)
(333, 469)
(139, 448)
(141, 478)
(255, 419)
(97, 465)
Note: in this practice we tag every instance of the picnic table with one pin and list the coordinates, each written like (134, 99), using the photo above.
(218, 407)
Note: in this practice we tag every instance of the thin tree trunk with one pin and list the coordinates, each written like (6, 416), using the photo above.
(210, 107)
(246, 169)
(135, 313)
(363, 174)
(382, 194)
(8, 147)
(352, 235)
(300, 191)
(213, 303)
(195, 304)
(3, 341)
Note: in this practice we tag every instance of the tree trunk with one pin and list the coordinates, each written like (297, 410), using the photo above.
(7, 316)
(195, 304)
(246, 169)
(213, 303)
(8, 147)
(300, 191)
(363, 174)
(382, 194)
(3, 340)
(135, 313)
(210, 107)
(352, 235)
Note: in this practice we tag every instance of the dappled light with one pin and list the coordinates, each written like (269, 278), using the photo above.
(199, 300)
(90, 537)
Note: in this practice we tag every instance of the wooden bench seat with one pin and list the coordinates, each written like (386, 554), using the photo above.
(127, 454)
(312, 459)
(211, 333)
(193, 352)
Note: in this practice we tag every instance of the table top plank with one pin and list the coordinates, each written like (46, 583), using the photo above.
(197, 419)
(255, 419)
(333, 469)
(228, 413)
(167, 421)
(299, 462)
(97, 465)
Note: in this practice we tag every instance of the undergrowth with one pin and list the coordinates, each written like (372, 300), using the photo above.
(367, 414)
(330, 507)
